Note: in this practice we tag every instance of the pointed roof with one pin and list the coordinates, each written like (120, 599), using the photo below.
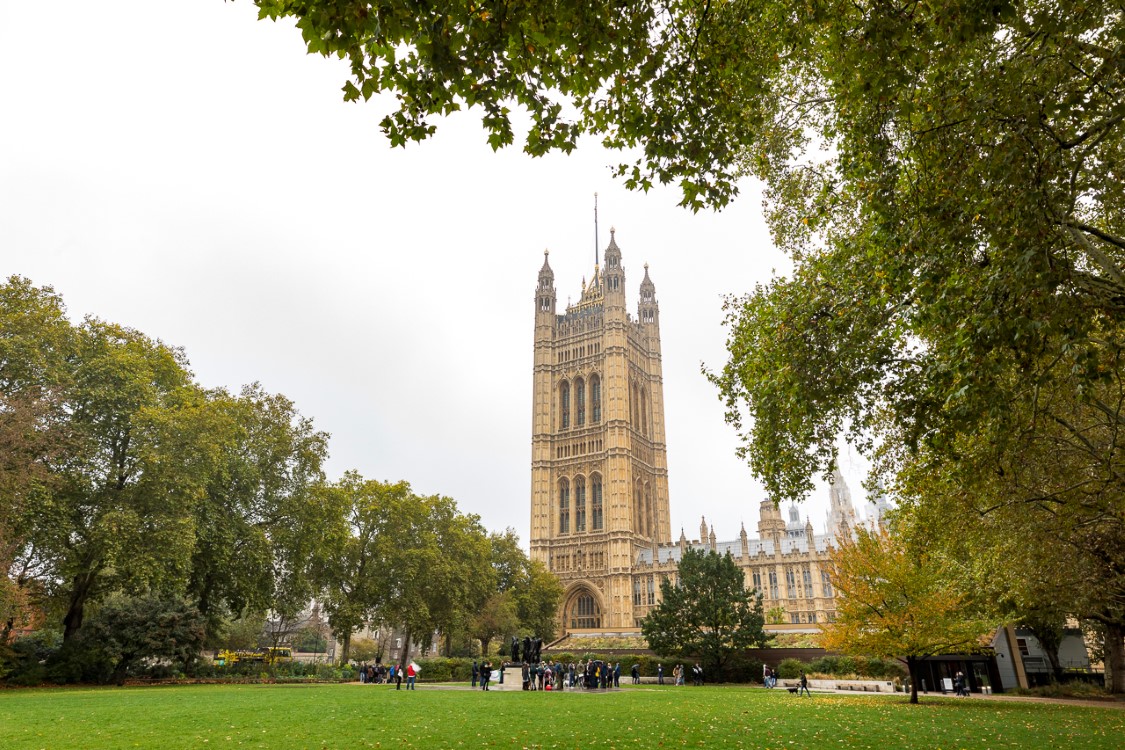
(646, 281)
(545, 272)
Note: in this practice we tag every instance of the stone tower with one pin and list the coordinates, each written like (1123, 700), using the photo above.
(841, 513)
(599, 469)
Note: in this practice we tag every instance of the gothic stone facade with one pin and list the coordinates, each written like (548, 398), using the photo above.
(599, 470)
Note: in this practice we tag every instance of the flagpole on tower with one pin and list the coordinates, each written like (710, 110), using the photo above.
(595, 230)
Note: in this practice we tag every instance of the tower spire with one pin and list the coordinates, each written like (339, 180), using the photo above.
(595, 229)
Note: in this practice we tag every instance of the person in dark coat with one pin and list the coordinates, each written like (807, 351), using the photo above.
(636, 674)
(485, 675)
(476, 672)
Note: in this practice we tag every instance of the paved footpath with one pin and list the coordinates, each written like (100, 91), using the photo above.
(1117, 703)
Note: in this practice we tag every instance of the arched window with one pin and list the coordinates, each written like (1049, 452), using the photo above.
(584, 612)
(579, 402)
(649, 515)
(595, 399)
(596, 513)
(638, 509)
(564, 404)
(644, 412)
(564, 506)
(636, 414)
(579, 504)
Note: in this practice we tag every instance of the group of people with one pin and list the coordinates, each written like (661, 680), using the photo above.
(679, 675)
(377, 674)
(588, 675)
(483, 673)
(769, 679)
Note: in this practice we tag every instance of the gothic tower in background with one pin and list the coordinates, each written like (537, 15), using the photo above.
(599, 468)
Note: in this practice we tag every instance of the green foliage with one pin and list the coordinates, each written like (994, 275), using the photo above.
(129, 631)
(775, 615)
(790, 669)
(311, 640)
(710, 615)
(896, 603)
(240, 634)
(258, 527)
(364, 650)
(669, 79)
(23, 661)
(449, 669)
(78, 661)
(843, 666)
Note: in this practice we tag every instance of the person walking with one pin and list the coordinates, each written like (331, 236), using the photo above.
(659, 674)
(476, 672)
(803, 686)
(636, 671)
(411, 675)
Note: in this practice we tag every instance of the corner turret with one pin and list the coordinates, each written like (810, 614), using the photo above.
(545, 292)
(614, 273)
(648, 311)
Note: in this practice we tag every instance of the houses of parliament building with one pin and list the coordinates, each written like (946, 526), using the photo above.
(599, 471)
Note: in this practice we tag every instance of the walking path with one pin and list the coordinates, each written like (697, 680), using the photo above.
(1117, 703)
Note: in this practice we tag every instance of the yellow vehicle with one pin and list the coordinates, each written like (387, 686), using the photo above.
(272, 655)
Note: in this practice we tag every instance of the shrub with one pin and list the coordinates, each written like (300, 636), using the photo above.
(132, 631)
(790, 669)
(79, 661)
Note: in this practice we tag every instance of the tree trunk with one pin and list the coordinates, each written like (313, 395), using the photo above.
(484, 646)
(345, 647)
(405, 648)
(912, 669)
(79, 595)
(1115, 658)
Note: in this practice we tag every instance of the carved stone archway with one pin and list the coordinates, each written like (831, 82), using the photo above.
(583, 607)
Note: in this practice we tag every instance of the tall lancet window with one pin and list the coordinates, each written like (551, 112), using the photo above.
(564, 506)
(579, 402)
(579, 504)
(644, 412)
(638, 509)
(597, 520)
(649, 514)
(564, 404)
(595, 399)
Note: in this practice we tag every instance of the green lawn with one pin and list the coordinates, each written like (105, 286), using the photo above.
(356, 716)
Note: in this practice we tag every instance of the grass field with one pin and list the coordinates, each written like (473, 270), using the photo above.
(355, 716)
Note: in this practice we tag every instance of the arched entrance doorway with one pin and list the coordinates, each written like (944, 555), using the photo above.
(582, 610)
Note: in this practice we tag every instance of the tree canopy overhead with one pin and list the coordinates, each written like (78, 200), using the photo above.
(670, 79)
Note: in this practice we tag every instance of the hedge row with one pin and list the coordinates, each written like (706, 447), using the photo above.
(842, 666)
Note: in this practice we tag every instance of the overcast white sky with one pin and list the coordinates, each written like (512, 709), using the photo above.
(184, 169)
